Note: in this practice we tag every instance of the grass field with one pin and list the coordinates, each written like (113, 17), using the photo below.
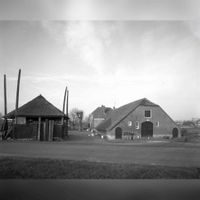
(27, 168)
(90, 157)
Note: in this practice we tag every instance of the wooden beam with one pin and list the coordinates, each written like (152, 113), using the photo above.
(51, 127)
(44, 127)
(46, 133)
(66, 132)
(17, 93)
(64, 100)
(39, 127)
(5, 96)
(49, 132)
(67, 103)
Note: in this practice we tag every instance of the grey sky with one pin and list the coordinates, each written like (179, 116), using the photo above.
(99, 9)
(104, 62)
(106, 52)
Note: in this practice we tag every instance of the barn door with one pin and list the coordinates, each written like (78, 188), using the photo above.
(175, 132)
(118, 133)
(147, 129)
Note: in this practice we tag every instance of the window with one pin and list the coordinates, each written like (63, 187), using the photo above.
(129, 123)
(137, 125)
(157, 124)
(147, 113)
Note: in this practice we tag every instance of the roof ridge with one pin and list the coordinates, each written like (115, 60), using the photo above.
(131, 103)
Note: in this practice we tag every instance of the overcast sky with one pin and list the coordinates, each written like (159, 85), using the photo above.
(109, 62)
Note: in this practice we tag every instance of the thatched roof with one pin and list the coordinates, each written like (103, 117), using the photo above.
(38, 107)
(117, 115)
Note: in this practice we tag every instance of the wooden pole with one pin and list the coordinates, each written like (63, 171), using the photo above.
(44, 127)
(17, 93)
(51, 126)
(39, 127)
(66, 133)
(67, 103)
(5, 125)
(64, 100)
(45, 134)
(5, 96)
(17, 102)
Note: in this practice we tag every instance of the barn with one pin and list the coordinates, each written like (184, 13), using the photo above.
(141, 118)
(98, 115)
(38, 119)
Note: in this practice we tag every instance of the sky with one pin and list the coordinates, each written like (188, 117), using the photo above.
(103, 62)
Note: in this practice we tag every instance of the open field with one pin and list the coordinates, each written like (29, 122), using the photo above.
(90, 157)
(26, 168)
(81, 147)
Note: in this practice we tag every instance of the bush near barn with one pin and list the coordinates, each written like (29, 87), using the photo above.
(190, 134)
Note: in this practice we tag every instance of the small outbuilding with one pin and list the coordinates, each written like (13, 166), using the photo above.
(38, 119)
(141, 118)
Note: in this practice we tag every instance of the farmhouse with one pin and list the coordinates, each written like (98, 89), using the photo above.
(38, 119)
(141, 118)
(98, 115)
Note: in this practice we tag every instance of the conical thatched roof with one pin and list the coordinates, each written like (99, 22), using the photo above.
(38, 107)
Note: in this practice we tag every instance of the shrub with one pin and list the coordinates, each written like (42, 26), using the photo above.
(184, 132)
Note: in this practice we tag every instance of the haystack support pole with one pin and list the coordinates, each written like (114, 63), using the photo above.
(67, 112)
(17, 102)
(67, 103)
(17, 94)
(64, 100)
(5, 96)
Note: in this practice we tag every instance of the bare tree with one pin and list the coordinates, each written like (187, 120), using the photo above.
(86, 121)
(73, 117)
(1, 120)
(80, 119)
(76, 116)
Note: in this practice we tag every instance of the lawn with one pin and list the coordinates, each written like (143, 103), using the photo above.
(90, 157)
(37, 168)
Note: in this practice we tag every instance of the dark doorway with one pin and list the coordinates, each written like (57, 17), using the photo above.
(118, 133)
(175, 132)
(147, 129)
